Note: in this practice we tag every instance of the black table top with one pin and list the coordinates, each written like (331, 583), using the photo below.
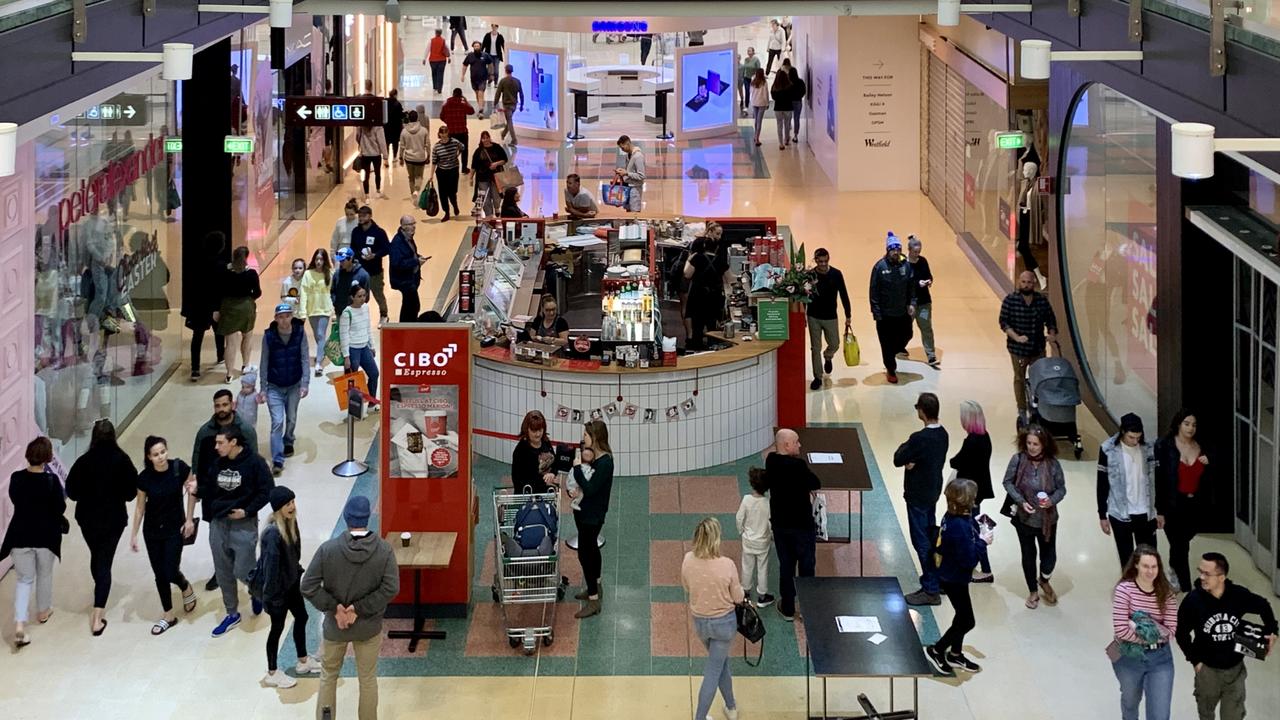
(852, 474)
(837, 654)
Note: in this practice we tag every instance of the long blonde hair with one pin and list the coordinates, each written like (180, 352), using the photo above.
(288, 527)
(706, 539)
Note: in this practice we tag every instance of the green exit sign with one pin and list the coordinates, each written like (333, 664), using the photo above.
(237, 144)
(1010, 140)
(173, 145)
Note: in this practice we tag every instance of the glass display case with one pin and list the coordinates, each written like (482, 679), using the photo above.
(508, 264)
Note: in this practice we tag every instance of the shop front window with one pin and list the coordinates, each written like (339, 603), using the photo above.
(1108, 247)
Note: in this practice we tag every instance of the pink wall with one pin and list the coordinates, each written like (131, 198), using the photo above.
(17, 324)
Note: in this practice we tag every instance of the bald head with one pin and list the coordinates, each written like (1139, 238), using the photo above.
(787, 442)
(1027, 282)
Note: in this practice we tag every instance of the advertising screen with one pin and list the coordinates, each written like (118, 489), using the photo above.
(536, 72)
(706, 93)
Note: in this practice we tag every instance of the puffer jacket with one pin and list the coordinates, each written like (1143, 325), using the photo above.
(893, 288)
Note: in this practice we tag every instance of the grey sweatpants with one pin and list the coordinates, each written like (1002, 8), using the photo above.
(924, 318)
(234, 545)
(818, 329)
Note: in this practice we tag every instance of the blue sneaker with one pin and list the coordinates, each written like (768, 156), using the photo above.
(227, 623)
(257, 605)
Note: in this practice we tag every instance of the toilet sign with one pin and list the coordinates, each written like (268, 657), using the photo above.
(335, 111)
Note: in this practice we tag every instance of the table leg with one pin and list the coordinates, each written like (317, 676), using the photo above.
(808, 705)
(824, 698)
(418, 619)
(892, 706)
(915, 696)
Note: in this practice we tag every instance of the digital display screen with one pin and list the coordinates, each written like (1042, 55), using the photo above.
(537, 73)
(706, 92)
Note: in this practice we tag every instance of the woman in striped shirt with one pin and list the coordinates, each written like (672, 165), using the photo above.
(447, 156)
(357, 343)
(1144, 615)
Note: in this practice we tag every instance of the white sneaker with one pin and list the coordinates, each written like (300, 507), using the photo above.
(310, 667)
(278, 679)
(731, 713)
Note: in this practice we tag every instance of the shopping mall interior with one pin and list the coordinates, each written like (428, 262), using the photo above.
(1124, 155)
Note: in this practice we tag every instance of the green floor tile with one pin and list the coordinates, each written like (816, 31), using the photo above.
(666, 593)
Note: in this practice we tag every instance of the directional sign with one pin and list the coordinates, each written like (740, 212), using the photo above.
(1010, 140)
(237, 144)
(121, 110)
(333, 111)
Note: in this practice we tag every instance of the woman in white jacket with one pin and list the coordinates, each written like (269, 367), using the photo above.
(413, 152)
(357, 341)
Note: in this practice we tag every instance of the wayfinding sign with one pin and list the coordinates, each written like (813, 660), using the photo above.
(334, 111)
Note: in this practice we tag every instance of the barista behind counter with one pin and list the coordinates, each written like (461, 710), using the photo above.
(549, 328)
(704, 271)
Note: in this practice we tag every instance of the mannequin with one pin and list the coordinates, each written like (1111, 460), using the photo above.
(1029, 219)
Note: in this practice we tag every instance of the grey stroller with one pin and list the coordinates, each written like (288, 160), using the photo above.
(1053, 392)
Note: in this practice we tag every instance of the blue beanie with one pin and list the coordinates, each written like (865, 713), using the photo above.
(357, 512)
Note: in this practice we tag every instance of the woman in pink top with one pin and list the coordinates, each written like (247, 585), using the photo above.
(1144, 616)
(711, 580)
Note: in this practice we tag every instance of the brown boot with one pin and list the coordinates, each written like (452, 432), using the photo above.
(585, 594)
(592, 607)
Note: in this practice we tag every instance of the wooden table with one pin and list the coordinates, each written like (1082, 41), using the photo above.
(849, 476)
(426, 551)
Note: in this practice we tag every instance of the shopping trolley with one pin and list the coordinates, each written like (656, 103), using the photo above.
(525, 580)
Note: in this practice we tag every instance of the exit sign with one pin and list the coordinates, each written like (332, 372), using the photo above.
(173, 145)
(237, 144)
(1010, 140)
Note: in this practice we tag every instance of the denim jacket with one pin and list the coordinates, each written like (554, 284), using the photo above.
(1113, 482)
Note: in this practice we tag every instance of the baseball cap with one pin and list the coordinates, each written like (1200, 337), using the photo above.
(344, 253)
(284, 307)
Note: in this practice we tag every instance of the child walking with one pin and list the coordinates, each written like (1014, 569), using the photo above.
(959, 545)
(757, 536)
(247, 403)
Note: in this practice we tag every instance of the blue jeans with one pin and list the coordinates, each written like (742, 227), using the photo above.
(362, 358)
(1149, 676)
(919, 520)
(319, 330)
(282, 403)
(717, 636)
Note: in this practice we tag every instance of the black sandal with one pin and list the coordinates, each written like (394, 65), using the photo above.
(189, 600)
(162, 625)
(99, 631)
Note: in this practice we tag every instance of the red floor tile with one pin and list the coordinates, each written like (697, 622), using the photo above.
(670, 630)
(487, 635)
(842, 560)
(399, 648)
(664, 494)
(838, 502)
(709, 494)
(665, 557)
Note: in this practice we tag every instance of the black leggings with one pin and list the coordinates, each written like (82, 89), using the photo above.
(1029, 538)
(447, 187)
(1179, 528)
(410, 305)
(102, 553)
(953, 639)
(165, 554)
(589, 554)
(197, 341)
(293, 604)
(374, 163)
(773, 55)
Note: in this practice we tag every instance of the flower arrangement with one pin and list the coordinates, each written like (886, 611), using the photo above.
(796, 282)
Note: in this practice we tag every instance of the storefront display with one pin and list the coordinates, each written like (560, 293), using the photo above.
(706, 101)
(540, 72)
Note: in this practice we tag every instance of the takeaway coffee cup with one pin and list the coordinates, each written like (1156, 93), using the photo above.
(435, 423)
(405, 538)
(1043, 499)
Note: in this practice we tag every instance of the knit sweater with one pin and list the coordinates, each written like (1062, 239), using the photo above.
(353, 328)
(315, 299)
(712, 584)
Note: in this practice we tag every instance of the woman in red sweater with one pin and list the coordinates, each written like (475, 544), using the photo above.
(1144, 616)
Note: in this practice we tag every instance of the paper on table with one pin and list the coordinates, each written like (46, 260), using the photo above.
(877, 639)
(826, 458)
(858, 623)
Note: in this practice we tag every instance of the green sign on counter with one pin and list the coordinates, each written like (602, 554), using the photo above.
(173, 144)
(773, 316)
(1010, 140)
(237, 144)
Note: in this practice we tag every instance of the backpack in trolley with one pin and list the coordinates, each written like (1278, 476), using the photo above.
(535, 528)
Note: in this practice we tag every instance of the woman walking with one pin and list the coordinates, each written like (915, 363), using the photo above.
(357, 347)
(711, 580)
(100, 482)
(34, 537)
(958, 548)
(166, 520)
(973, 462)
(240, 289)
(759, 100)
(447, 157)
(1144, 616)
(372, 145)
(488, 159)
(280, 563)
(317, 301)
(533, 460)
(1035, 485)
(592, 482)
(394, 125)
(782, 102)
(413, 152)
(1181, 465)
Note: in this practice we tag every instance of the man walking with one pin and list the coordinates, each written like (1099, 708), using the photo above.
(923, 456)
(457, 30)
(509, 94)
(495, 45)
(370, 244)
(828, 282)
(454, 114)
(285, 380)
(233, 490)
(790, 481)
(406, 269)
(746, 70)
(478, 62)
(203, 454)
(632, 172)
(1025, 316)
(351, 580)
(348, 275)
(777, 41)
(893, 303)
(1207, 621)
(1127, 488)
(924, 299)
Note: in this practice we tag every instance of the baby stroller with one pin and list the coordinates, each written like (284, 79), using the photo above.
(1053, 392)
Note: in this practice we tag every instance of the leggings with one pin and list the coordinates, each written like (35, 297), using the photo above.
(589, 553)
(102, 552)
(784, 125)
(952, 641)
(374, 163)
(165, 554)
(758, 112)
(447, 186)
(197, 342)
(320, 330)
(292, 604)
(1029, 538)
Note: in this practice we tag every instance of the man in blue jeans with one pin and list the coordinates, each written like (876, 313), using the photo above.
(285, 380)
(923, 456)
(791, 482)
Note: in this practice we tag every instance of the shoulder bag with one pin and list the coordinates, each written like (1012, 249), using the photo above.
(752, 629)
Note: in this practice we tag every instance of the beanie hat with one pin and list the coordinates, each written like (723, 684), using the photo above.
(249, 378)
(1130, 423)
(892, 241)
(357, 512)
(279, 497)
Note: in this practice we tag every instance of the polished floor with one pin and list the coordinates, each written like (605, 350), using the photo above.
(1044, 664)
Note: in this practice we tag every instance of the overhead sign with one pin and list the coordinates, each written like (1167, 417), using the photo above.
(620, 26)
(333, 111)
(130, 110)
(173, 145)
(1010, 140)
(237, 144)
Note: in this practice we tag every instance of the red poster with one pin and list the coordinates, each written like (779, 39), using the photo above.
(425, 446)
(1140, 292)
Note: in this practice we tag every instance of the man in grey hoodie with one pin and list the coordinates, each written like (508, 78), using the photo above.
(351, 580)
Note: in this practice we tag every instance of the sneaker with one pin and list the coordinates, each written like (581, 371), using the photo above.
(257, 606)
(278, 679)
(277, 469)
(195, 375)
(288, 450)
(935, 363)
(785, 616)
(765, 600)
(939, 660)
(962, 662)
(920, 597)
(310, 667)
(225, 626)
(319, 371)
(731, 713)
(826, 366)
(903, 354)
(891, 377)
(982, 577)
(211, 585)
(816, 384)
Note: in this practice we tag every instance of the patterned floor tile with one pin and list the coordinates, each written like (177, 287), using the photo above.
(487, 634)
(665, 557)
(400, 648)
(709, 494)
(843, 559)
(664, 494)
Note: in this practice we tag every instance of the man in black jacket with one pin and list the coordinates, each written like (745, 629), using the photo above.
(203, 454)
(923, 455)
(1207, 621)
(370, 244)
(893, 304)
(790, 482)
(828, 284)
(345, 278)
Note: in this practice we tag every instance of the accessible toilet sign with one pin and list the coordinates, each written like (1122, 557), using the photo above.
(334, 111)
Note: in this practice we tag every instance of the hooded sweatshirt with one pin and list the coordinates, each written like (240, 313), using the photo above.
(241, 482)
(413, 143)
(1207, 625)
(101, 481)
(203, 455)
(356, 571)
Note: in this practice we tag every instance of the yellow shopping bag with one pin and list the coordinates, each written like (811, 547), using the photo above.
(852, 354)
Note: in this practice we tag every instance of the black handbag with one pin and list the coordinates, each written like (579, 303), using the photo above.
(752, 629)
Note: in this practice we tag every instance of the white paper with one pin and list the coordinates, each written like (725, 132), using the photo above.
(858, 623)
(877, 639)
(826, 458)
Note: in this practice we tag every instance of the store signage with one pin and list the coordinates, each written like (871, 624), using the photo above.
(424, 364)
(1044, 185)
(173, 145)
(619, 26)
(237, 144)
(773, 319)
(1010, 140)
(122, 110)
(109, 182)
(333, 111)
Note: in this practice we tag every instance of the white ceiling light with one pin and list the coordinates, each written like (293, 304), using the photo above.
(280, 11)
(949, 10)
(8, 148)
(1036, 55)
(1191, 156)
(176, 58)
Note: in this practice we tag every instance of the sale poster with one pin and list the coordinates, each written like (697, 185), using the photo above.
(424, 431)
